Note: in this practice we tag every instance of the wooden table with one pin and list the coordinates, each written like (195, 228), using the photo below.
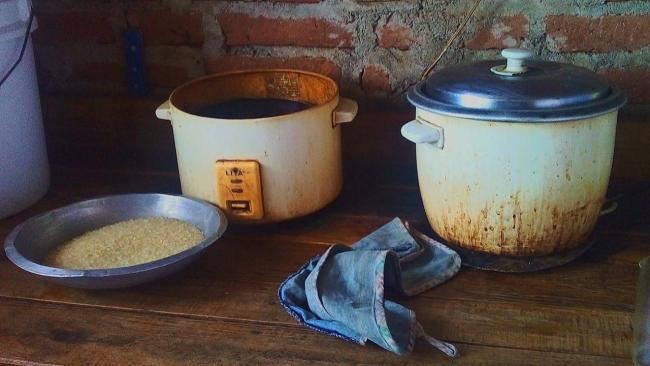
(224, 309)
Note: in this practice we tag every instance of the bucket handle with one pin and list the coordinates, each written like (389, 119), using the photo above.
(28, 30)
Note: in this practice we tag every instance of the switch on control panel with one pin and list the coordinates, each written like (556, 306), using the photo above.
(239, 188)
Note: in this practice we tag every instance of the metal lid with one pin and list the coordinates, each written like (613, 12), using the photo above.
(518, 90)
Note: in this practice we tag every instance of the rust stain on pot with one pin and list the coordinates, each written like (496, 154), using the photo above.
(540, 188)
(525, 231)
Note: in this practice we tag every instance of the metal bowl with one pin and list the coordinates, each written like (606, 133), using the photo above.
(29, 242)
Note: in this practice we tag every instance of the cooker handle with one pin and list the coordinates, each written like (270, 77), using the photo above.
(421, 133)
(344, 112)
(164, 111)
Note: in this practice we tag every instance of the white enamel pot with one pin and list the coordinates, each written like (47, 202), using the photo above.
(264, 169)
(498, 172)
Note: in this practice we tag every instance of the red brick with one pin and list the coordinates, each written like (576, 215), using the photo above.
(319, 65)
(75, 27)
(503, 32)
(242, 29)
(170, 66)
(164, 27)
(166, 76)
(394, 35)
(570, 33)
(375, 80)
(635, 82)
(100, 71)
(281, 1)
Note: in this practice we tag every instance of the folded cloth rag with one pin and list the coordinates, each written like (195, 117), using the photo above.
(343, 291)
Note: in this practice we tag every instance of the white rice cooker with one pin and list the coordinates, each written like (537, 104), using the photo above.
(514, 156)
(265, 169)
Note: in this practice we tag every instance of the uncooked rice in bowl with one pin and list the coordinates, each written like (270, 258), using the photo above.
(125, 243)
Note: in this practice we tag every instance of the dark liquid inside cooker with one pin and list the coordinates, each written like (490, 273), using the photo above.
(250, 108)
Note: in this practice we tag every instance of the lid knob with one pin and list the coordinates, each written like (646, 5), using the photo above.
(515, 62)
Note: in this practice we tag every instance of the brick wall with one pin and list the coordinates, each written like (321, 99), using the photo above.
(375, 49)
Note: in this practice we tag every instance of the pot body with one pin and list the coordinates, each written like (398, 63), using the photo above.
(298, 154)
(518, 189)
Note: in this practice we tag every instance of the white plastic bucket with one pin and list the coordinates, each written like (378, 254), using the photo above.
(24, 170)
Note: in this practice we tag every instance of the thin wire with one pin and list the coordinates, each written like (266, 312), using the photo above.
(451, 40)
(24, 47)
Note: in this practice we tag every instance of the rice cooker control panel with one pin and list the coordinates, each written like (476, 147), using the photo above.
(239, 189)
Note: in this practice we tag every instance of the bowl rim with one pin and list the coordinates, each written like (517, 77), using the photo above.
(55, 272)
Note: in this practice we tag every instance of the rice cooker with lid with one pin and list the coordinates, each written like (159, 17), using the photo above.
(514, 156)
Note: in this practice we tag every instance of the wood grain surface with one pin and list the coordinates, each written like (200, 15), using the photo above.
(224, 309)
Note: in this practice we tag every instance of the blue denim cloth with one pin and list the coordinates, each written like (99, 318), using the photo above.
(344, 291)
